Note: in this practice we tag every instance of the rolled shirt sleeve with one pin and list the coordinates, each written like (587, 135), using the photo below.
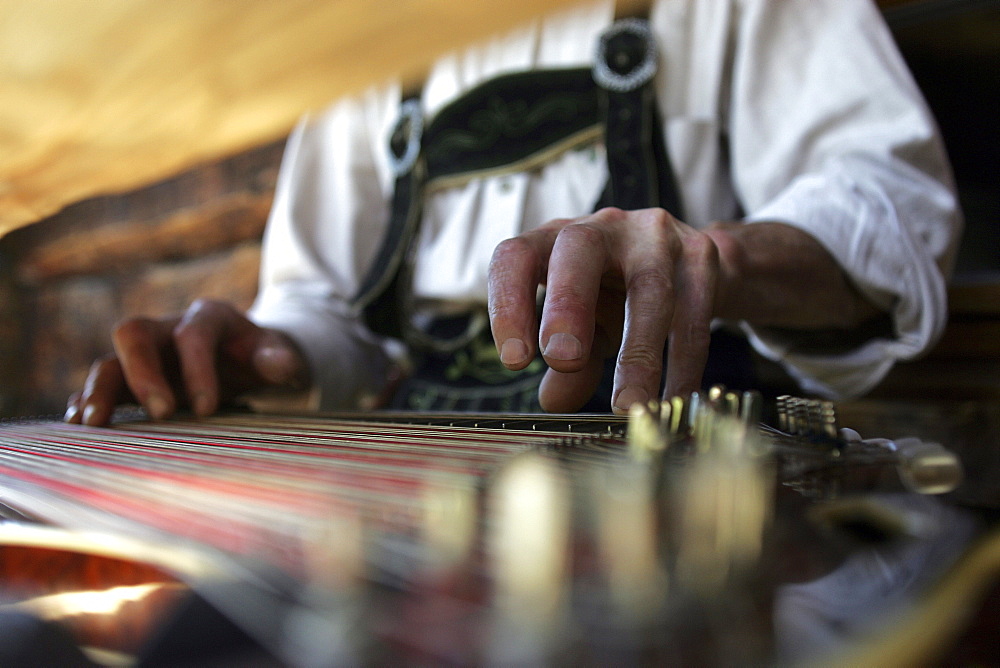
(328, 216)
(829, 134)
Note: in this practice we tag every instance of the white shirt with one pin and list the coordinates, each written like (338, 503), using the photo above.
(799, 111)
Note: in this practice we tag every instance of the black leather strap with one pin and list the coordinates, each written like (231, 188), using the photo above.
(640, 175)
(513, 123)
(507, 124)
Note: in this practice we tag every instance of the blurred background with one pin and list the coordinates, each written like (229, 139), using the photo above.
(140, 140)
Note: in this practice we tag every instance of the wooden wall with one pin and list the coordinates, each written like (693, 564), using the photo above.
(65, 281)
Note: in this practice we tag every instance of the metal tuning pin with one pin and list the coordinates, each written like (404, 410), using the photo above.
(731, 403)
(798, 416)
(628, 542)
(782, 408)
(645, 437)
(716, 393)
(813, 419)
(528, 547)
(828, 420)
(927, 467)
(723, 504)
(924, 467)
(681, 417)
(666, 417)
(751, 408)
(328, 626)
(677, 408)
(448, 520)
(689, 423)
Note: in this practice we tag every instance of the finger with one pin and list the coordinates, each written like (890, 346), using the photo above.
(197, 337)
(569, 392)
(577, 263)
(690, 335)
(516, 270)
(140, 344)
(648, 254)
(103, 390)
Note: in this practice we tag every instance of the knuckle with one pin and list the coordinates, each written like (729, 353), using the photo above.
(102, 365)
(583, 233)
(657, 221)
(511, 250)
(662, 225)
(649, 287)
(642, 356)
(131, 329)
(202, 318)
(569, 300)
(650, 279)
(702, 249)
(189, 329)
(610, 214)
(556, 224)
(513, 269)
(515, 261)
(205, 306)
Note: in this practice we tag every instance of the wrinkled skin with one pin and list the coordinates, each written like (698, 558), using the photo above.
(630, 283)
(616, 283)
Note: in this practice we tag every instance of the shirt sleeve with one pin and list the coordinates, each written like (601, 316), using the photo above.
(829, 133)
(328, 217)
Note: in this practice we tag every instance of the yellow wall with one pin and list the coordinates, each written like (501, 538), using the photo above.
(100, 96)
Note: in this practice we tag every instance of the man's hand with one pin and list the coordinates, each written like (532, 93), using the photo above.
(622, 283)
(207, 355)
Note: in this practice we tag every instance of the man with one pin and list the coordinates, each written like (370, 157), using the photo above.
(814, 212)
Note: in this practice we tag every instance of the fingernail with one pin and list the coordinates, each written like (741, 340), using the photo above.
(563, 347)
(71, 413)
(628, 396)
(88, 414)
(157, 407)
(513, 351)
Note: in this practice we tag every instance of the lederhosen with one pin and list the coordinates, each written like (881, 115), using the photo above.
(511, 123)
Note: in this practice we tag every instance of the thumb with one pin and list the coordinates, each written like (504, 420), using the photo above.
(569, 392)
(279, 361)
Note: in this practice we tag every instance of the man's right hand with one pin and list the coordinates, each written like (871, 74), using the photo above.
(209, 354)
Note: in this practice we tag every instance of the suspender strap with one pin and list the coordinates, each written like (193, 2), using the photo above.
(517, 122)
(380, 285)
(639, 171)
(508, 124)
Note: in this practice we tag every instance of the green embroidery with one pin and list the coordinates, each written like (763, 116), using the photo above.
(502, 119)
(480, 361)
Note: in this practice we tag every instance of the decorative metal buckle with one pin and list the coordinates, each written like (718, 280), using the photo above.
(639, 73)
(409, 128)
